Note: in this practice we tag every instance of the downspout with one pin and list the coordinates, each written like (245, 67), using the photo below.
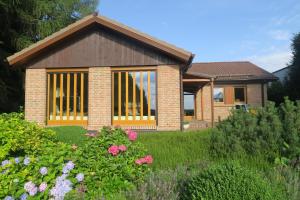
(181, 100)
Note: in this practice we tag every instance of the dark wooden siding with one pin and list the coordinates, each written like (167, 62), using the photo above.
(98, 46)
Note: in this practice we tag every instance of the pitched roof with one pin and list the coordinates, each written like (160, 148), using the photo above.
(35, 48)
(231, 71)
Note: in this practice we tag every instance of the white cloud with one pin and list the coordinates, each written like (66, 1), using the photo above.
(272, 61)
(280, 34)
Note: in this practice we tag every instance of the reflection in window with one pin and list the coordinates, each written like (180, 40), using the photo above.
(239, 94)
(134, 95)
(219, 94)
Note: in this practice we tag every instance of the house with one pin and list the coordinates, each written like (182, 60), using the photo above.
(282, 74)
(98, 72)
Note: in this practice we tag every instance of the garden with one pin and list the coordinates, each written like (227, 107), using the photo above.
(251, 155)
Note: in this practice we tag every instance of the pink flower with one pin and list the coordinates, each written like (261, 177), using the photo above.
(148, 159)
(132, 135)
(113, 150)
(122, 147)
(138, 162)
(43, 187)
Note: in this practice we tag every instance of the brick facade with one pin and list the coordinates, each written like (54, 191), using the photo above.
(168, 97)
(35, 95)
(99, 107)
(221, 110)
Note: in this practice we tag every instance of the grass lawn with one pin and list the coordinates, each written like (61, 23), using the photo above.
(169, 149)
(70, 134)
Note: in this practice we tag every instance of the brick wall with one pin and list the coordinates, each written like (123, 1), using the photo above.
(168, 96)
(99, 107)
(35, 95)
(222, 111)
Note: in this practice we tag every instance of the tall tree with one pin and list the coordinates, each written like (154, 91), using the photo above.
(23, 22)
(293, 82)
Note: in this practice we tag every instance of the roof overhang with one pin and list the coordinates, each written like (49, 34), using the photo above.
(29, 52)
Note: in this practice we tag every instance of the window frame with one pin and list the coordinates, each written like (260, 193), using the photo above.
(245, 94)
(59, 75)
(134, 121)
(219, 102)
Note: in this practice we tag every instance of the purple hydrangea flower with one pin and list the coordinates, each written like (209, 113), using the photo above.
(61, 188)
(43, 187)
(5, 162)
(44, 171)
(68, 167)
(8, 198)
(26, 160)
(30, 188)
(24, 196)
(17, 160)
(80, 177)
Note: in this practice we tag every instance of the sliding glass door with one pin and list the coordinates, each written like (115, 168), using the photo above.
(134, 97)
(67, 97)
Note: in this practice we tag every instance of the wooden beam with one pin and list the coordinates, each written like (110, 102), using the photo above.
(54, 96)
(195, 80)
(212, 102)
(126, 97)
(74, 97)
(134, 95)
(48, 98)
(141, 94)
(68, 70)
(61, 96)
(81, 94)
(68, 96)
(149, 97)
(119, 96)
(113, 95)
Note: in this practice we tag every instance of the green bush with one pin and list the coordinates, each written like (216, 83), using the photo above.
(19, 137)
(104, 166)
(231, 181)
(269, 131)
(108, 174)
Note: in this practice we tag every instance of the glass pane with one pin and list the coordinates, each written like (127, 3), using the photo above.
(57, 96)
(123, 95)
(130, 95)
(145, 95)
(78, 96)
(64, 96)
(219, 94)
(71, 96)
(189, 106)
(86, 92)
(116, 95)
(137, 98)
(50, 97)
(239, 94)
(153, 94)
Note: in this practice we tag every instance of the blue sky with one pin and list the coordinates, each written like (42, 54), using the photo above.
(216, 30)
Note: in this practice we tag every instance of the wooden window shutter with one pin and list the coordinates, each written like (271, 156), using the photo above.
(229, 95)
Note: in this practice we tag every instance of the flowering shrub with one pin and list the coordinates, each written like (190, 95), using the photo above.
(50, 174)
(108, 162)
(20, 137)
(43, 168)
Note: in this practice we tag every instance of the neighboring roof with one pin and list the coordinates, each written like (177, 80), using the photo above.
(231, 71)
(285, 68)
(32, 50)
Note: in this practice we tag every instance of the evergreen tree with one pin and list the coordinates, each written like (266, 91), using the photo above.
(293, 82)
(23, 22)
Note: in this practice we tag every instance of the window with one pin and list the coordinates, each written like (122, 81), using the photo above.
(134, 97)
(219, 94)
(239, 94)
(67, 98)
